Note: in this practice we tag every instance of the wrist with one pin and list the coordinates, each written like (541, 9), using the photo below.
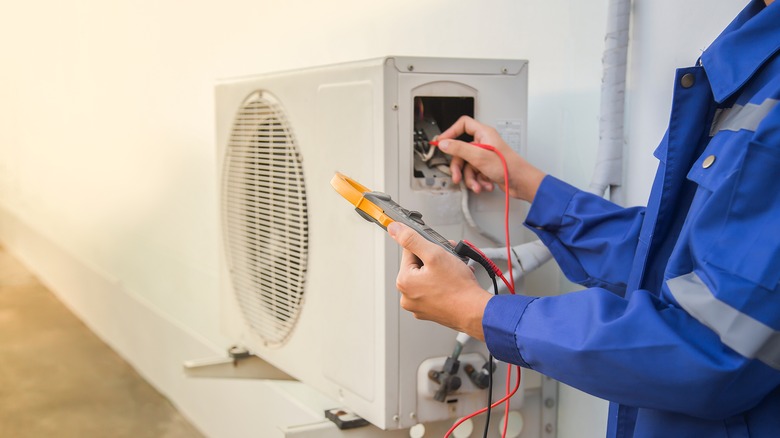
(534, 180)
(526, 182)
(473, 311)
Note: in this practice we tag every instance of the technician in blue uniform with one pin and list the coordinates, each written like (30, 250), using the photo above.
(679, 324)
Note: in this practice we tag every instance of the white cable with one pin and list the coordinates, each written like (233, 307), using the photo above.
(466, 209)
(530, 256)
(443, 168)
(425, 157)
(527, 258)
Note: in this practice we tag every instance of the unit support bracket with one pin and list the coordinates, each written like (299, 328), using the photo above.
(239, 364)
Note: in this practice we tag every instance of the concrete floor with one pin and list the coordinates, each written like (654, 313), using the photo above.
(58, 379)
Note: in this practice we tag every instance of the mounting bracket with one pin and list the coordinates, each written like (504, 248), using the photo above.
(239, 364)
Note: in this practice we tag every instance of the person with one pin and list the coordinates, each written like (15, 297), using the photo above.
(678, 326)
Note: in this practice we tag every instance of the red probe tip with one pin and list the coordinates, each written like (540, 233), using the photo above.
(434, 142)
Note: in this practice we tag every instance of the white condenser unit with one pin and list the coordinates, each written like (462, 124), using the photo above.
(309, 285)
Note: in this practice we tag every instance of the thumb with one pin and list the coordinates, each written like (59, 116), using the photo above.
(410, 239)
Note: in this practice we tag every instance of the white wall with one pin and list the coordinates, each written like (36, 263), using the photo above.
(107, 124)
(666, 34)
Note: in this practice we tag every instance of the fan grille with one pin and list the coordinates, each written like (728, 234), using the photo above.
(264, 207)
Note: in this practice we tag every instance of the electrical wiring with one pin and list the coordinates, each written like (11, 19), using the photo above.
(508, 257)
(490, 378)
(483, 410)
(426, 156)
(511, 286)
(464, 207)
(506, 207)
(493, 271)
(506, 202)
(493, 268)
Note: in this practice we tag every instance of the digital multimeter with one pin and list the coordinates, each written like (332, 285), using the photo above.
(380, 208)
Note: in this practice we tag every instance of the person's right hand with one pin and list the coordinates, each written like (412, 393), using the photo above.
(479, 168)
(437, 286)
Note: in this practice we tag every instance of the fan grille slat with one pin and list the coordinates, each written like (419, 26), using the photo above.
(265, 219)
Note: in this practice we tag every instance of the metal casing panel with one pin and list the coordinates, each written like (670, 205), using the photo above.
(351, 340)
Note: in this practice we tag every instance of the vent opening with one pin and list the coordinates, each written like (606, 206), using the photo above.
(265, 218)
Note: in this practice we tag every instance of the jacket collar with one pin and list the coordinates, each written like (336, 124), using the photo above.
(743, 47)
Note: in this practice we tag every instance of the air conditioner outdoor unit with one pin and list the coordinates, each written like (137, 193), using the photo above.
(307, 284)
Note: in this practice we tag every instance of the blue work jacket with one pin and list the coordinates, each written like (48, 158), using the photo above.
(679, 325)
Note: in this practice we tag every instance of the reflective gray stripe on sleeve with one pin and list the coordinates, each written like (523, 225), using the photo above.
(741, 117)
(745, 335)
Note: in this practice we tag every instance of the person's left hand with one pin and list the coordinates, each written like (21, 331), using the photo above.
(437, 286)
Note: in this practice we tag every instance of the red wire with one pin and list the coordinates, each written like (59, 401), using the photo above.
(510, 285)
(495, 404)
(506, 210)
(493, 267)
(509, 265)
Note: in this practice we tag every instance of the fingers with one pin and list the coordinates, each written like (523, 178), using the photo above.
(444, 290)
(470, 178)
(465, 151)
(487, 169)
(475, 180)
(464, 125)
(486, 183)
(456, 166)
(475, 166)
(410, 261)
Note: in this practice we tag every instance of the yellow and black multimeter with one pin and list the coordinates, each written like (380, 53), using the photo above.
(380, 208)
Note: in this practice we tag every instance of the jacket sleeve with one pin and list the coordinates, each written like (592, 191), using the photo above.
(708, 343)
(638, 352)
(593, 240)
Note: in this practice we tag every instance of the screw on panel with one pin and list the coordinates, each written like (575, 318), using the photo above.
(396, 418)
(395, 106)
(504, 70)
(410, 67)
(550, 404)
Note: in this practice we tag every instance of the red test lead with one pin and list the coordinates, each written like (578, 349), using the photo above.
(510, 285)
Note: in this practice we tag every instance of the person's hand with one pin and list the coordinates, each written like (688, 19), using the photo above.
(437, 286)
(479, 169)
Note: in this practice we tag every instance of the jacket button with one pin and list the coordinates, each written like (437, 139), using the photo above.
(708, 162)
(687, 80)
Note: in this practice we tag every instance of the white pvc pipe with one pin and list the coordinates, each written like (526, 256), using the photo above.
(608, 172)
